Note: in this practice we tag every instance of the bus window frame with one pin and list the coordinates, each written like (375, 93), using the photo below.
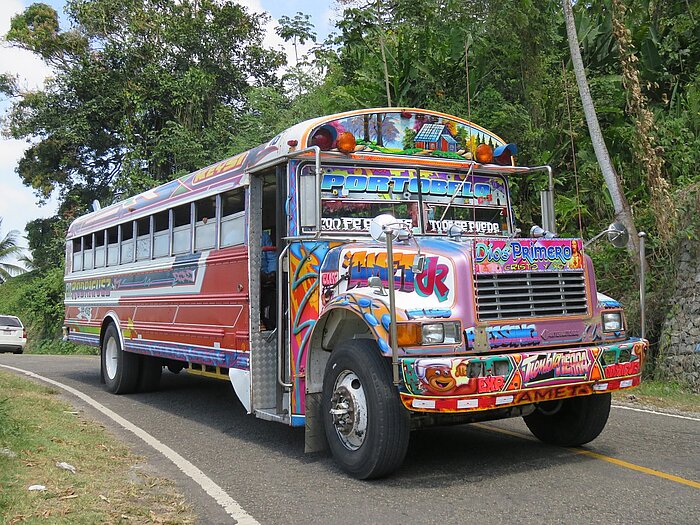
(414, 169)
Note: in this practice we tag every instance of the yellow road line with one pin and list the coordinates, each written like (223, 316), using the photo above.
(638, 468)
(602, 457)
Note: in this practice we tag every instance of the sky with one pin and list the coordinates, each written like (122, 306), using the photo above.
(18, 203)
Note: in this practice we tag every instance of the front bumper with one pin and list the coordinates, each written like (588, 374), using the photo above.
(472, 383)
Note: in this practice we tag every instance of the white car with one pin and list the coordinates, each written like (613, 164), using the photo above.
(13, 335)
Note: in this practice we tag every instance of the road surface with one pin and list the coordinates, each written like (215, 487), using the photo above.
(644, 468)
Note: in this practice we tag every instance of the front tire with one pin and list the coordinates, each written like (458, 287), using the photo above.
(577, 421)
(120, 369)
(366, 425)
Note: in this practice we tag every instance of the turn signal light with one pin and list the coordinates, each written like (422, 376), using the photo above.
(346, 142)
(484, 154)
(408, 334)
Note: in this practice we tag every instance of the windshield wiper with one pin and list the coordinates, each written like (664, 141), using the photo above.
(459, 190)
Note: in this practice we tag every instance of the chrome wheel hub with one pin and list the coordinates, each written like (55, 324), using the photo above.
(349, 410)
(111, 355)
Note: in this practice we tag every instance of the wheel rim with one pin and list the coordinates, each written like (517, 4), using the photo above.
(349, 410)
(111, 354)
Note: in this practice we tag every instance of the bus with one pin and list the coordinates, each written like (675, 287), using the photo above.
(360, 275)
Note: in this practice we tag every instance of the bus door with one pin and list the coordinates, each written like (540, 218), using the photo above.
(267, 228)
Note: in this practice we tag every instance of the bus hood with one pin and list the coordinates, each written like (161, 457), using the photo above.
(506, 293)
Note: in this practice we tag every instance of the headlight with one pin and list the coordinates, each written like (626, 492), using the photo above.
(612, 322)
(441, 333)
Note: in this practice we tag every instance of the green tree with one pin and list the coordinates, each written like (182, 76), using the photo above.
(298, 29)
(142, 91)
(9, 249)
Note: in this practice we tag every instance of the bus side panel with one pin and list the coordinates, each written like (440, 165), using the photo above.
(194, 310)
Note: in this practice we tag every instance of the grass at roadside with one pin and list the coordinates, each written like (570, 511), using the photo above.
(110, 485)
(59, 347)
(661, 394)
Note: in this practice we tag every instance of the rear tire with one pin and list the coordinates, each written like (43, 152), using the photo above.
(149, 376)
(120, 369)
(18, 351)
(578, 420)
(366, 425)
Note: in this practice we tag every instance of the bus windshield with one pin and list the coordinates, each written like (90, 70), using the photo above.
(351, 197)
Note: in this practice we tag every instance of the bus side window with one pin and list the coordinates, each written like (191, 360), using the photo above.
(232, 218)
(99, 249)
(143, 238)
(205, 225)
(77, 254)
(161, 234)
(113, 246)
(181, 229)
(87, 253)
(127, 243)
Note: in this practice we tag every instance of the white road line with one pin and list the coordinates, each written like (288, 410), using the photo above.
(655, 412)
(231, 507)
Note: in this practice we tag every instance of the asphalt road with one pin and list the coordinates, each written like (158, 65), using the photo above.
(487, 473)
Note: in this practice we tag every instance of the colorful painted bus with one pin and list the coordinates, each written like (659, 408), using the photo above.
(361, 275)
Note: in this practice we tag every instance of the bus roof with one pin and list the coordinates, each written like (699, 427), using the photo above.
(385, 132)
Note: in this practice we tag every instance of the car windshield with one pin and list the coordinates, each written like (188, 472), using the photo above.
(6, 320)
(352, 197)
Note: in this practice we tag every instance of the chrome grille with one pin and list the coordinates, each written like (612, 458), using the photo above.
(530, 294)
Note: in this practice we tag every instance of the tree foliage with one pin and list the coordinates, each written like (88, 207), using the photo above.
(9, 249)
(142, 91)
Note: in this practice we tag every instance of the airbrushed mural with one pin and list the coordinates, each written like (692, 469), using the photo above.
(482, 382)
(414, 133)
(529, 255)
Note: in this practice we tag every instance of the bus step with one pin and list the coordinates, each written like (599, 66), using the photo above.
(270, 414)
(217, 372)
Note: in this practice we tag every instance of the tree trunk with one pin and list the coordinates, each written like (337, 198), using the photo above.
(623, 212)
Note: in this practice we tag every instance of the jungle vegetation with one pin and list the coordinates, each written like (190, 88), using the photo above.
(146, 90)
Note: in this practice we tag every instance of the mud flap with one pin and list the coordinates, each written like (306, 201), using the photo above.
(240, 379)
(314, 437)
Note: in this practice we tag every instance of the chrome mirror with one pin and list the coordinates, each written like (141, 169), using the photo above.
(381, 224)
(618, 235)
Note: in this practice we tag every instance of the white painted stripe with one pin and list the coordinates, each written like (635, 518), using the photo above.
(647, 411)
(231, 507)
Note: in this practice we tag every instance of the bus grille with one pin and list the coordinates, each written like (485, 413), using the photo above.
(530, 294)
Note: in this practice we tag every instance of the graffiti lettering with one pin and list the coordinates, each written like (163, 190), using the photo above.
(482, 227)
(549, 366)
(362, 265)
(329, 278)
(528, 255)
(622, 369)
(352, 223)
(507, 335)
(185, 276)
(432, 280)
(219, 168)
(399, 184)
(89, 288)
(560, 392)
(490, 384)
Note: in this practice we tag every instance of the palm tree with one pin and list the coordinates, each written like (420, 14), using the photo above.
(9, 248)
(623, 212)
